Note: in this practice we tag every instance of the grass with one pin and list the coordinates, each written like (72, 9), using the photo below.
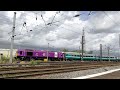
(5, 60)
(34, 62)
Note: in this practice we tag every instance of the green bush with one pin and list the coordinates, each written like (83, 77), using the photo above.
(34, 62)
(37, 62)
(4, 60)
(15, 60)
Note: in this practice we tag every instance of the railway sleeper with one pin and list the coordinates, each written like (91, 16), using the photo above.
(29, 73)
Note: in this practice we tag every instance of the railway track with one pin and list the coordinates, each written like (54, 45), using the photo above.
(20, 72)
(50, 65)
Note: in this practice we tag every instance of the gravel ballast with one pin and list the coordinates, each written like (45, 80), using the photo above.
(70, 75)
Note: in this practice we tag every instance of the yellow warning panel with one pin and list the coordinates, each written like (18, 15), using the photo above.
(45, 60)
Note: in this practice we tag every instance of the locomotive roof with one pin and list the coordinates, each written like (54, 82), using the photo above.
(76, 53)
(38, 50)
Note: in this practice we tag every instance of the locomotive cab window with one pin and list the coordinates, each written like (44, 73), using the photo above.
(20, 52)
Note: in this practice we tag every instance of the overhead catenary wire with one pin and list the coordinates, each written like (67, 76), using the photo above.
(62, 27)
(24, 25)
(93, 24)
(71, 24)
(71, 30)
(72, 18)
(110, 18)
(67, 29)
(53, 18)
(43, 19)
(37, 25)
(30, 31)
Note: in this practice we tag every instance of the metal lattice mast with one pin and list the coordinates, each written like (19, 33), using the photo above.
(119, 45)
(83, 43)
(48, 52)
(119, 40)
(100, 52)
(108, 52)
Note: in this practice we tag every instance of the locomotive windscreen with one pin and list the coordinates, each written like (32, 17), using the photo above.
(20, 52)
(29, 53)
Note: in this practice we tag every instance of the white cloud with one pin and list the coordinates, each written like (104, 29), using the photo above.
(66, 33)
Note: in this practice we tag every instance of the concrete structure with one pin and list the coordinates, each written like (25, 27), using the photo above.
(6, 53)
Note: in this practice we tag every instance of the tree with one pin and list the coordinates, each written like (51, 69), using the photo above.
(75, 51)
(65, 50)
(90, 52)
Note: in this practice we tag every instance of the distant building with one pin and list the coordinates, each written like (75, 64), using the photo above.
(6, 52)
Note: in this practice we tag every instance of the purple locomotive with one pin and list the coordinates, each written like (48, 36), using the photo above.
(27, 54)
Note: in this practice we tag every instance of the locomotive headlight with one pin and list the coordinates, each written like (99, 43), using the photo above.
(16, 54)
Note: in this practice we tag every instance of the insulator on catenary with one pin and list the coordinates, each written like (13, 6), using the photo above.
(49, 23)
(76, 15)
(36, 17)
(89, 13)
(24, 24)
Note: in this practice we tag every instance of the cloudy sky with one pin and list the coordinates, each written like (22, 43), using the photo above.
(61, 29)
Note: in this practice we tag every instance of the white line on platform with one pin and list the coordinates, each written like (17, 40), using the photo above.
(94, 75)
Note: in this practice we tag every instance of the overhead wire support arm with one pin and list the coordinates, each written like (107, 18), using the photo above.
(54, 17)
(77, 15)
(43, 20)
